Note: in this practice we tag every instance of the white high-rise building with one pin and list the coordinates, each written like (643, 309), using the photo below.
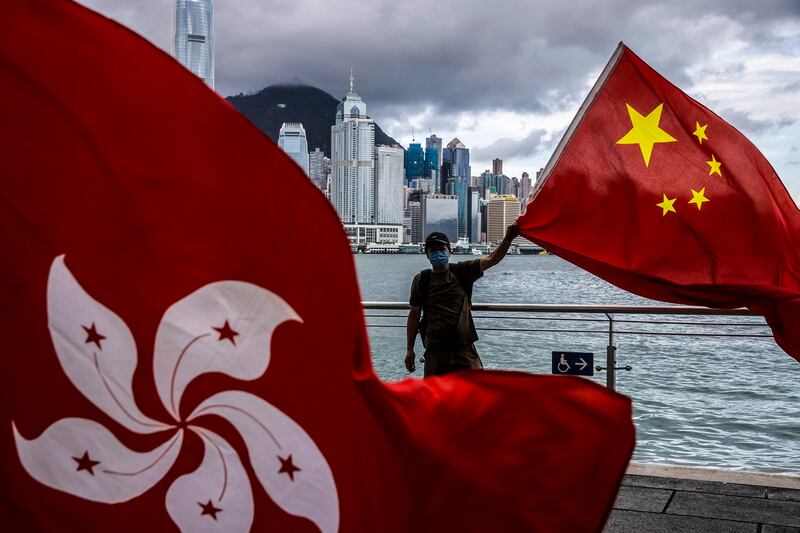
(389, 182)
(194, 37)
(292, 139)
(353, 160)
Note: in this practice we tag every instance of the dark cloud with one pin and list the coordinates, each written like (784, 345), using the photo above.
(511, 148)
(745, 122)
(452, 55)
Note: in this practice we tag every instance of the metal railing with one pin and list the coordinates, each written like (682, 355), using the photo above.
(611, 318)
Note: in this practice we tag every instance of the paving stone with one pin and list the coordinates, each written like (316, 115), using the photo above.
(756, 510)
(779, 529)
(642, 499)
(791, 495)
(694, 485)
(622, 521)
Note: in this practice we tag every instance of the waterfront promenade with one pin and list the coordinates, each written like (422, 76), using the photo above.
(658, 498)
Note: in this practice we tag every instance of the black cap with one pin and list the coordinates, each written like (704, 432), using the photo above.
(436, 236)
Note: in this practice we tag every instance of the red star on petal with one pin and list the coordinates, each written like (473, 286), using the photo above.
(93, 336)
(209, 509)
(85, 463)
(287, 467)
(226, 332)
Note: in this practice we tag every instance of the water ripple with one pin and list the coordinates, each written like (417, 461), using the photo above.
(705, 401)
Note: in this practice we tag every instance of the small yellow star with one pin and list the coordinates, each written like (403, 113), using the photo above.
(714, 164)
(645, 131)
(700, 132)
(666, 205)
(699, 197)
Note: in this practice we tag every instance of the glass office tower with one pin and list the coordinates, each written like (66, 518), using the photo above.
(292, 139)
(440, 213)
(415, 162)
(455, 162)
(194, 37)
(460, 186)
(389, 181)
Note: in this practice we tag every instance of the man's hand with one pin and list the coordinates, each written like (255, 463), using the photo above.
(512, 232)
(500, 252)
(411, 361)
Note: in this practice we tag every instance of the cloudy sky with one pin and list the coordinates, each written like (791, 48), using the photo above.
(506, 76)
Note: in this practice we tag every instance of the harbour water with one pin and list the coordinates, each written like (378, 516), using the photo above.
(726, 402)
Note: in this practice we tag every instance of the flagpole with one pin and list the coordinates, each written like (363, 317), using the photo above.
(562, 144)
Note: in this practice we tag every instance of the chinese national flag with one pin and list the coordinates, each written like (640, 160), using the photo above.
(183, 343)
(655, 193)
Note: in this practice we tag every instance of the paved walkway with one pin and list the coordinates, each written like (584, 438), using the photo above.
(655, 498)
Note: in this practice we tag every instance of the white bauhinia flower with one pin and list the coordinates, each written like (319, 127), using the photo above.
(223, 327)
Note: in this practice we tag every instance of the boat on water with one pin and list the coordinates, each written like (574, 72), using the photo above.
(411, 249)
(390, 248)
(529, 248)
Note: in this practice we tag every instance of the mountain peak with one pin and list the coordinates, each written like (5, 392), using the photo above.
(314, 108)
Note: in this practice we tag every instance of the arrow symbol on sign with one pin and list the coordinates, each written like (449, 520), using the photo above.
(582, 364)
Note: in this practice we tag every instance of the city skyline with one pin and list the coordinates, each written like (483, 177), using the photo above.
(512, 100)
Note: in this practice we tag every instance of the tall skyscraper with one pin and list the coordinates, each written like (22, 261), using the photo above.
(389, 185)
(353, 160)
(459, 189)
(473, 214)
(455, 161)
(415, 162)
(524, 189)
(497, 166)
(318, 168)
(194, 37)
(433, 159)
(501, 212)
(292, 139)
(417, 220)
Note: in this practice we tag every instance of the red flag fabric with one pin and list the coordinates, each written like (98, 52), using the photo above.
(184, 344)
(653, 192)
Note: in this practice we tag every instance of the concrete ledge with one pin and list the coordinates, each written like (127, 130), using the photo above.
(785, 481)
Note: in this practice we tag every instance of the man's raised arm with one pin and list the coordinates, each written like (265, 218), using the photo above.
(500, 252)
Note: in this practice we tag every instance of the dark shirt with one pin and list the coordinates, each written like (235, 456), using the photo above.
(448, 311)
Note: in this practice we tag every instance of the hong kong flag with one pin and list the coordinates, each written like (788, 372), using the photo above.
(653, 192)
(183, 345)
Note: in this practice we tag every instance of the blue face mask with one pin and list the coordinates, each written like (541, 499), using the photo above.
(438, 259)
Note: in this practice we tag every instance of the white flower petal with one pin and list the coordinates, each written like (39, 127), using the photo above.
(222, 327)
(95, 348)
(82, 458)
(286, 460)
(215, 497)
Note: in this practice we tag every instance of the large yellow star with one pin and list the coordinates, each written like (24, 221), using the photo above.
(699, 197)
(700, 132)
(666, 205)
(645, 131)
(714, 164)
